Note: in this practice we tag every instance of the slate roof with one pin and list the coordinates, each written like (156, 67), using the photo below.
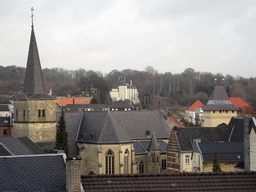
(4, 151)
(33, 82)
(33, 173)
(223, 181)
(101, 127)
(219, 100)
(236, 125)
(228, 151)
(4, 108)
(153, 145)
(197, 104)
(5, 121)
(136, 123)
(96, 107)
(142, 146)
(206, 135)
(36, 149)
(15, 146)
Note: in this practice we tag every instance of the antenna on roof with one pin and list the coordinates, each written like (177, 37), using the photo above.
(32, 9)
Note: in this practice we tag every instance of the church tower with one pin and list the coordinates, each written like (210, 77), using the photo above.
(34, 110)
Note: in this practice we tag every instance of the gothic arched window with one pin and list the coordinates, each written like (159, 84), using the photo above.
(141, 167)
(126, 161)
(110, 162)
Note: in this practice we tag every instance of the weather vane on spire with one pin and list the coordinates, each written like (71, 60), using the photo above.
(32, 9)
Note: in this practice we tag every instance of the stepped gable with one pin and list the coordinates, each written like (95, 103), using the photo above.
(219, 100)
(197, 104)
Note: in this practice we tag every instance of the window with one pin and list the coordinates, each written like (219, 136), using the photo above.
(39, 113)
(187, 159)
(226, 111)
(5, 131)
(157, 159)
(233, 111)
(110, 162)
(141, 167)
(76, 99)
(60, 99)
(79, 109)
(163, 163)
(81, 99)
(126, 161)
(220, 111)
(213, 111)
(43, 112)
(24, 113)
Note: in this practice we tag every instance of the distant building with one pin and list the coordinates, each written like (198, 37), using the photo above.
(194, 110)
(124, 91)
(219, 109)
(63, 101)
(6, 127)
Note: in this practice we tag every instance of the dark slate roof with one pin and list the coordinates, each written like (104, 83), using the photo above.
(106, 130)
(47, 145)
(153, 145)
(33, 173)
(33, 82)
(223, 181)
(228, 151)
(137, 123)
(219, 100)
(15, 146)
(237, 128)
(96, 107)
(142, 146)
(213, 134)
(4, 151)
(4, 108)
(5, 121)
(36, 149)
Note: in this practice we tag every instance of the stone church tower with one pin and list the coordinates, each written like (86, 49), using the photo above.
(34, 110)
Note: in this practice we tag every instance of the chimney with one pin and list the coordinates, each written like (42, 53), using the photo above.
(73, 175)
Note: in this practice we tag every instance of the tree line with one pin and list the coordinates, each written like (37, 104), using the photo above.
(155, 89)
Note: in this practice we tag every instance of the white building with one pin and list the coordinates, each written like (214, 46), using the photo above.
(124, 91)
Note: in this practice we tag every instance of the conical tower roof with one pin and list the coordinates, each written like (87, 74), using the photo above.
(219, 100)
(34, 82)
(153, 143)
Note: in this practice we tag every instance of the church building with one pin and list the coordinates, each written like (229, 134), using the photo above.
(34, 110)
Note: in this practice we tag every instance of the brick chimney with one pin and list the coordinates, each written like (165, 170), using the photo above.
(73, 175)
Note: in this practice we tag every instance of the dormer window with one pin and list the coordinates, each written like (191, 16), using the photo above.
(148, 133)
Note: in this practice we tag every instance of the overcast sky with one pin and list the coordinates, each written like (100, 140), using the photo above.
(217, 36)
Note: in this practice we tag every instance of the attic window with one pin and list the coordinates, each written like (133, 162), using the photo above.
(148, 133)
(59, 99)
(91, 135)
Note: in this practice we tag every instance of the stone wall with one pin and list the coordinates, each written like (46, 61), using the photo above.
(213, 119)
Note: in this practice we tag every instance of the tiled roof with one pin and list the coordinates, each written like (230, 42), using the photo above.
(197, 104)
(240, 103)
(33, 173)
(34, 82)
(36, 149)
(15, 146)
(223, 181)
(228, 151)
(178, 124)
(219, 100)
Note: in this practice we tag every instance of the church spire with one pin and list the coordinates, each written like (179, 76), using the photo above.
(34, 82)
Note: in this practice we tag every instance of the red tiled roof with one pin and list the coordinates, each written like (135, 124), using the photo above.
(223, 181)
(177, 122)
(240, 103)
(197, 104)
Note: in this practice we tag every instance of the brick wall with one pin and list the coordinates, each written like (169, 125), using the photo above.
(9, 131)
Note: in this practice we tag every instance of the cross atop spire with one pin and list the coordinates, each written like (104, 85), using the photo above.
(32, 9)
